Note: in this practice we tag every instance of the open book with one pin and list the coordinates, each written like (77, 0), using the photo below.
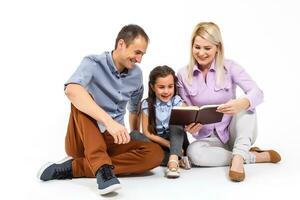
(184, 115)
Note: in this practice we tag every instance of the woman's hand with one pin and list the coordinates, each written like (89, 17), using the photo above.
(234, 106)
(193, 128)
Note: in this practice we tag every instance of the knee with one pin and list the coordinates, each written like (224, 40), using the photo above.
(244, 119)
(155, 154)
(196, 155)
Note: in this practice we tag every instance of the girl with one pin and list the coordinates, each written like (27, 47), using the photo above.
(156, 115)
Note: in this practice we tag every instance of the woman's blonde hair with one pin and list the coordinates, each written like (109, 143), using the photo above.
(210, 32)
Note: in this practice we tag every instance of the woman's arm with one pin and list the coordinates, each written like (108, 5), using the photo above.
(161, 141)
(234, 106)
(253, 94)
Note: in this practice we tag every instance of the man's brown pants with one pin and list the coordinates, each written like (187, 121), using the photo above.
(91, 149)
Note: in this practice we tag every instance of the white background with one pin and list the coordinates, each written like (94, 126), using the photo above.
(43, 42)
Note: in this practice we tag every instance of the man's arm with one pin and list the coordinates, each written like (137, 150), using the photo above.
(134, 121)
(82, 100)
(134, 109)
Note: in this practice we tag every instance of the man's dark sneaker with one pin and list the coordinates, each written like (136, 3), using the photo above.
(59, 170)
(107, 180)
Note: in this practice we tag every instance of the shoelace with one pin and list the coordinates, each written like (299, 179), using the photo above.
(106, 173)
(63, 173)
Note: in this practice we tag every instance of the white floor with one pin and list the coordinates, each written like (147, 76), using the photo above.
(262, 181)
(25, 148)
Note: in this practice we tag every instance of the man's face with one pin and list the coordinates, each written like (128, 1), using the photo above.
(133, 53)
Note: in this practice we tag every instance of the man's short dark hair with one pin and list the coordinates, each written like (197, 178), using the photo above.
(130, 32)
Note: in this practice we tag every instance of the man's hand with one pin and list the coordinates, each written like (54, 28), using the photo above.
(118, 132)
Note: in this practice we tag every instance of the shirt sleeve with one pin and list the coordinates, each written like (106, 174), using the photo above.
(181, 88)
(177, 101)
(253, 93)
(84, 73)
(135, 100)
(144, 107)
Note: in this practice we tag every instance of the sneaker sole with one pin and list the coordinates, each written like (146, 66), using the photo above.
(45, 166)
(173, 176)
(110, 189)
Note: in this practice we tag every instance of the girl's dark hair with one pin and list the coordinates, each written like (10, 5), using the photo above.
(157, 72)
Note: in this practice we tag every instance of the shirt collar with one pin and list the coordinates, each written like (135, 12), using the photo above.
(113, 68)
(160, 103)
(212, 68)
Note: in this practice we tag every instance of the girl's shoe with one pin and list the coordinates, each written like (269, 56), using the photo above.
(172, 172)
(185, 163)
(274, 155)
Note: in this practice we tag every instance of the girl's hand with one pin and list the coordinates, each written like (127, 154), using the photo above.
(234, 106)
(193, 128)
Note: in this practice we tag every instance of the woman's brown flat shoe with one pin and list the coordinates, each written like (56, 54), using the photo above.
(236, 176)
(274, 156)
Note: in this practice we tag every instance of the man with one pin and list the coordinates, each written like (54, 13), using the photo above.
(97, 142)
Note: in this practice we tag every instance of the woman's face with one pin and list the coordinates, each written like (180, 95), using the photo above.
(204, 52)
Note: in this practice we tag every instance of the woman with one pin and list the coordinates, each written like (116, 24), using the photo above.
(211, 79)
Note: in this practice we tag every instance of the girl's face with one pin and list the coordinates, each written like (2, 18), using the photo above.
(164, 88)
(204, 52)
